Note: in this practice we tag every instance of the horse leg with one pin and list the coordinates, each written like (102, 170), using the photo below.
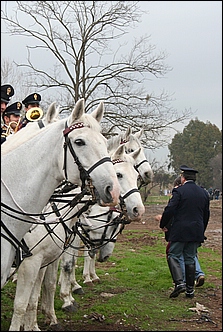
(67, 265)
(93, 274)
(76, 288)
(31, 312)
(48, 293)
(86, 270)
(27, 274)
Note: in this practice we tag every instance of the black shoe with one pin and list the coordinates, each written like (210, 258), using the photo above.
(178, 289)
(190, 294)
(200, 281)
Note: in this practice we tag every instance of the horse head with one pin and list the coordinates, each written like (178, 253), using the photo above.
(127, 178)
(90, 147)
(132, 143)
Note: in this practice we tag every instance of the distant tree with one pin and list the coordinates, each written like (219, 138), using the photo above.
(161, 179)
(216, 165)
(196, 147)
(87, 41)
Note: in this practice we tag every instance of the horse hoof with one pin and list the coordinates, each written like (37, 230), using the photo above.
(71, 308)
(78, 291)
(96, 281)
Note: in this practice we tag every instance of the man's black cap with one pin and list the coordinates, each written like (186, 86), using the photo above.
(14, 108)
(7, 92)
(188, 170)
(34, 98)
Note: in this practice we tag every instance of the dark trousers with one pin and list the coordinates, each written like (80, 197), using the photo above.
(187, 249)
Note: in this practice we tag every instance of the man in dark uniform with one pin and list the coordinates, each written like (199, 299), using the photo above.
(190, 208)
(7, 92)
(10, 115)
(30, 101)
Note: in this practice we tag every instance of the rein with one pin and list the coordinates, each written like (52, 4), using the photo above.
(93, 245)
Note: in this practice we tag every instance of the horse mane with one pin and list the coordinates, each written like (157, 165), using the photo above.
(114, 141)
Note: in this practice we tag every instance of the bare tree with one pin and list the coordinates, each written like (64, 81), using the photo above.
(14, 76)
(86, 40)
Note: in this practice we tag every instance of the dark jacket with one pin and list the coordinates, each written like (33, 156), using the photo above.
(190, 209)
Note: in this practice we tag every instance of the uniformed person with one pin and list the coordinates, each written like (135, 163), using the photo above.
(11, 117)
(7, 92)
(29, 102)
(190, 208)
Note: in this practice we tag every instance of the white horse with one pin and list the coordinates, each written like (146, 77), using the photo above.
(71, 149)
(49, 249)
(132, 143)
(67, 275)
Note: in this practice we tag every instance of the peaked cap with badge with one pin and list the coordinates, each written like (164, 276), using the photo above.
(34, 98)
(187, 170)
(7, 92)
(14, 108)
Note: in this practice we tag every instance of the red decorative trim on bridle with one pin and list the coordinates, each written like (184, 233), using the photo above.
(74, 126)
(116, 161)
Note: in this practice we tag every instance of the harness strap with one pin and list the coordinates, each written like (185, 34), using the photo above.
(41, 124)
(13, 240)
(103, 160)
(134, 190)
(138, 165)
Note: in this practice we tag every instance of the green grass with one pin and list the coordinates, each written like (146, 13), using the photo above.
(156, 200)
(140, 280)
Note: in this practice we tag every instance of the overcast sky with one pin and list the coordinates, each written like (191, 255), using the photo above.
(190, 32)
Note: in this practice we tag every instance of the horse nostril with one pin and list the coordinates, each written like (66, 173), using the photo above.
(108, 190)
(135, 211)
(148, 176)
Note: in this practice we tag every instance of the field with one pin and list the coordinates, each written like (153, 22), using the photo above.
(133, 294)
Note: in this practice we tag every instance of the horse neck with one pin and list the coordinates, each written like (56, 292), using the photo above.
(37, 176)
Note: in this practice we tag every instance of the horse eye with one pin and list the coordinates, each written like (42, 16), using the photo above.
(79, 142)
(119, 176)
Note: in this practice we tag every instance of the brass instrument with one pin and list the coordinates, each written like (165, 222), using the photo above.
(11, 128)
(34, 114)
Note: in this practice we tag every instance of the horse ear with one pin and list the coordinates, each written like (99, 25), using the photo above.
(98, 113)
(139, 133)
(119, 152)
(77, 112)
(52, 113)
(127, 133)
(135, 153)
